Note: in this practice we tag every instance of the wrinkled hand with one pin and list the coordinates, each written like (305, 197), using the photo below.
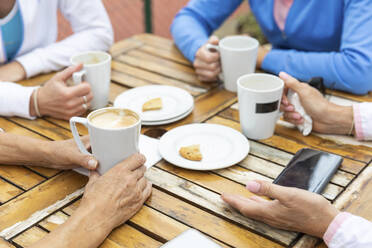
(207, 64)
(58, 100)
(118, 194)
(65, 155)
(292, 209)
(327, 117)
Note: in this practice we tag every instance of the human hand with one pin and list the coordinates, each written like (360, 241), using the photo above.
(12, 72)
(117, 195)
(327, 117)
(66, 155)
(292, 209)
(261, 54)
(58, 100)
(207, 64)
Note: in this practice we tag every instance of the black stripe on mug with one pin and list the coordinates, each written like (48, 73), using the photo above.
(263, 108)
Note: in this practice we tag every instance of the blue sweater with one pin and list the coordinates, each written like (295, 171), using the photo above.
(327, 38)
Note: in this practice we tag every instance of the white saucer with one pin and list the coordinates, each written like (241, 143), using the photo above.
(220, 146)
(176, 102)
(158, 123)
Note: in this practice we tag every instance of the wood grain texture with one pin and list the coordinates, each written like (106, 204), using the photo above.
(5, 244)
(40, 197)
(30, 236)
(8, 191)
(20, 176)
(124, 46)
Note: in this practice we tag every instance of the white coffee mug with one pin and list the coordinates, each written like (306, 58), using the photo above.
(97, 72)
(238, 57)
(259, 97)
(109, 146)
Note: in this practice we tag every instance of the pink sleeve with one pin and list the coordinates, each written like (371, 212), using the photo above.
(350, 231)
(363, 121)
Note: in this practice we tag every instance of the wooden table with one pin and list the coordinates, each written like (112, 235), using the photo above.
(36, 200)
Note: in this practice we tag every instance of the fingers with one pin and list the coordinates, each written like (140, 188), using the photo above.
(146, 192)
(214, 66)
(246, 206)
(133, 162)
(206, 75)
(291, 82)
(67, 73)
(87, 161)
(140, 172)
(80, 90)
(213, 40)
(207, 56)
(268, 189)
(142, 184)
(294, 118)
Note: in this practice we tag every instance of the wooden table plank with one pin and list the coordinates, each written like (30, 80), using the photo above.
(147, 77)
(30, 236)
(124, 46)
(291, 146)
(40, 197)
(5, 244)
(360, 153)
(169, 54)
(20, 176)
(8, 191)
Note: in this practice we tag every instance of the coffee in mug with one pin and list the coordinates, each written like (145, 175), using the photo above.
(114, 136)
(259, 97)
(97, 72)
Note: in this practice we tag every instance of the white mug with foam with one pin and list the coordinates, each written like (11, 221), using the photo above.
(259, 97)
(109, 145)
(238, 57)
(97, 72)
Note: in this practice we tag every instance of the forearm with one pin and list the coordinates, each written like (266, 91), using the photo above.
(12, 72)
(341, 119)
(81, 230)
(346, 71)
(23, 150)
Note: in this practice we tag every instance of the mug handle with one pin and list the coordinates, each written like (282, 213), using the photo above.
(78, 76)
(212, 48)
(76, 135)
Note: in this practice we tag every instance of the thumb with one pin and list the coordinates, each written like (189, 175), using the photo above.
(67, 73)
(213, 40)
(291, 82)
(268, 189)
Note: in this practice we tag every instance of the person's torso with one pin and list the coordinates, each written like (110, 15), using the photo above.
(39, 23)
(314, 25)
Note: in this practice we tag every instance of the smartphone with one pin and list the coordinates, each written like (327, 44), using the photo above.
(191, 238)
(309, 170)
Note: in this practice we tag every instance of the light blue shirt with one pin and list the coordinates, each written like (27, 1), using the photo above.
(322, 38)
(12, 32)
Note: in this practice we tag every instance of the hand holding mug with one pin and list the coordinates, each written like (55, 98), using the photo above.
(292, 209)
(327, 117)
(207, 63)
(58, 100)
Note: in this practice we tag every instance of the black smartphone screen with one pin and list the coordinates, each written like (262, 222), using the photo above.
(310, 170)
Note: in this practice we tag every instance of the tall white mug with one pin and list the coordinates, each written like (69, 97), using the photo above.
(238, 57)
(97, 72)
(109, 145)
(259, 97)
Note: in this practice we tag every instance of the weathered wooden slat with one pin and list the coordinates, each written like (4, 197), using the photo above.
(30, 236)
(151, 78)
(360, 152)
(160, 69)
(124, 46)
(365, 98)
(5, 244)
(53, 221)
(115, 90)
(291, 146)
(212, 201)
(40, 197)
(153, 40)
(169, 64)
(171, 54)
(20, 176)
(8, 191)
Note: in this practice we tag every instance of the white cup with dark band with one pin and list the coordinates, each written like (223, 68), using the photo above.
(259, 97)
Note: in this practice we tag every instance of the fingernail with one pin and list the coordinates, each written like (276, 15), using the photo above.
(92, 163)
(297, 116)
(283, 75)
(253, 186)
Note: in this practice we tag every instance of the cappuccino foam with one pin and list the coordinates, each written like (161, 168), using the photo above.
(113, 119)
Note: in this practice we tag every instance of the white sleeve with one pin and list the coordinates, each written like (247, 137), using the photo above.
(352, 232)
(15, 100)
(92, 31)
